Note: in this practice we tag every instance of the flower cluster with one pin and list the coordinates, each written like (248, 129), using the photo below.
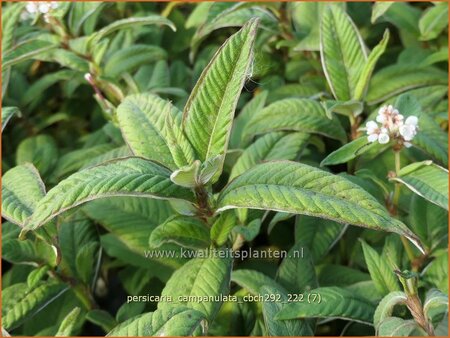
(392, 126)
(39, 7)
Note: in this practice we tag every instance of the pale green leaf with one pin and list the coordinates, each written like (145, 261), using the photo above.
(386, 307)
(36, 276)
(8, 113)
(396, 79)
(40, 150)
(10, 19)
(303, 115)
(347, 108)
(22, 189)
(249, 231)
(222, 227)
(142, 120)
(435, 299)
(274, 301)
(272, 146)
(298, 188)
(342, 52)
(175, 321)
(31, 302)
(130, 23)
(183, 231)
(253, 281)
(427, 180)
(433, 21)
(366, 74)
(209, 111)
(101, 318)
(25, 51)
(334, 302)
(396, 327)
(210, 169)
(200, 277)
(69, 324)
(379, 8)
(124, 177)
(350, 151)
(186, 176)
(380, 271)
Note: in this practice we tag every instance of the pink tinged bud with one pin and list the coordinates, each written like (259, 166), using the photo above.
(381, 118)
(88, 77)
(383, 138)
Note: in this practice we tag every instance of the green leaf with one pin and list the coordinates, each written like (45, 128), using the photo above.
(124, 177)
(143, 117)
(433, 21)
(380, 271)
(434, 299)
(396, 327)
(334, 302)
(69, 324)
(36, 276)
(435, 272)
(210, 169)
(8, 113)
(22, 189)
(76, 159)
(430, 138)
(342, 52)
(184, 231)
(209, 111)
(347, 108)
(272, 146)
(131, 58)
(253, 281)
(69, 59)
(29, 303)
(80, 14)
(222, 227)
(25, 51)
(296, 272)
(101, 318)
(28, 252)
(39, 150)
(223, 15)
(249, 231)
(379, 8)
(200, 277)
(428, 221)
(298, 188)
(320, 235)
(303, 115)
(305, 16)
(11, 17)
(366, 74)
(240, 122)
(85, 261)
(131, 23)
(386, 307)
(427, 180)
(350, 151)
(396, 79)
(176, 321)
(186, 176)
(271, 307)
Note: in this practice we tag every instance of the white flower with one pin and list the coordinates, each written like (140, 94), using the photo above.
(383, 137)
(39, 7)
(409, 129)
